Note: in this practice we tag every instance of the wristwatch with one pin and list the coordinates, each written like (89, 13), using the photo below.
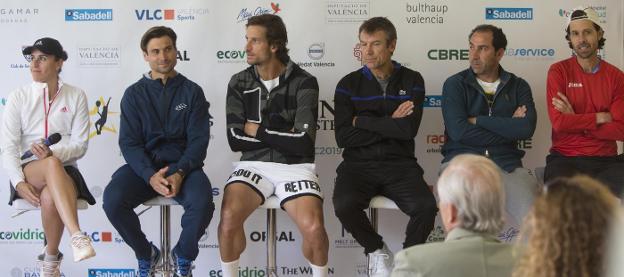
(181, 172)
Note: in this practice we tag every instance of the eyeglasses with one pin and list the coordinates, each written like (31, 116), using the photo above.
(40, 58)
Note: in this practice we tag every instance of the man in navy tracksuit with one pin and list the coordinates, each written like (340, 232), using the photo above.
(486, 111)
(378, 112)
(163, 136)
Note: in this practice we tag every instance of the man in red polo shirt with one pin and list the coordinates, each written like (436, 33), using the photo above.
(586, 107)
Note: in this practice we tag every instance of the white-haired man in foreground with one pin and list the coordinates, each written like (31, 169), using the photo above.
(472, 201)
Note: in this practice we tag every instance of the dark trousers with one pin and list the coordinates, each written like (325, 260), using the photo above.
(127, 190)
(400, 181)
(608, 170)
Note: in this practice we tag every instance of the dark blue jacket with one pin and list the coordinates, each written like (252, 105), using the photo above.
(377, 136)
(496, 131)
(164, 125)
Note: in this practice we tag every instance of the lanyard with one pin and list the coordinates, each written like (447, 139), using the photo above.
(47, 107)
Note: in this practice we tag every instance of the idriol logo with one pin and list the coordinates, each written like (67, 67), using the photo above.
(231, 56)
(424, 13)
(347, 11)
(99, 56)
(17, 15)
(242, 272)
(187, 14)
(509, 13)
(600, 10)
(110, 272)
(245, 13)
(448, 54)
(22, 236)
(432, 101)
(316, 52)
(88, 14)
(101, 111)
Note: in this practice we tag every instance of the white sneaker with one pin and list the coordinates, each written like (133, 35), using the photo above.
(380, 262)
(81, 246)
(49, 268)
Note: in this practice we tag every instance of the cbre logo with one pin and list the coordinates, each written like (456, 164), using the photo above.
(167, 14)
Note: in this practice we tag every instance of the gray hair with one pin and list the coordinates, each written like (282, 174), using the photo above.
(473, 185)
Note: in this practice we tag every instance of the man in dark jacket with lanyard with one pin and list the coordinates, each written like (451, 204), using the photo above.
(378, 112)
(486, 111)
(163, 136)
(272, 108)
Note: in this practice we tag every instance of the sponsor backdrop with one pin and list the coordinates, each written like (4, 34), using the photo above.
(102, 40)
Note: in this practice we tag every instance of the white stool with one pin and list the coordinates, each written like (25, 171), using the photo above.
(166, 268)
(376, 203)
(22, 206)
(271, 204)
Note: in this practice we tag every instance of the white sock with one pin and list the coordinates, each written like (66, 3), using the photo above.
(230, 269)
(51, 258)
(318, 271)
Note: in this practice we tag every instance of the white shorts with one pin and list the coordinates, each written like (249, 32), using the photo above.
(286, 181)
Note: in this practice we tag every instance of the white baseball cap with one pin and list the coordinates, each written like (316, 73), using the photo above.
(584, 12)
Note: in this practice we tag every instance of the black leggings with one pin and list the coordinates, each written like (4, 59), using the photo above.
(400, 181)
(608, 170)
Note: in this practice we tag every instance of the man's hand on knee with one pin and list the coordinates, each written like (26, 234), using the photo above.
(159, 183)
(175, 183)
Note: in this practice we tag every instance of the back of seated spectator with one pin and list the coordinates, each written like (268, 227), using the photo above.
(567, 229)
(615, 267)
(472, 201)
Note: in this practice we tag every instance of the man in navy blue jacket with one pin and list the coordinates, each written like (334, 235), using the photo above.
(378, 113)
(163, 136)
(486, 111)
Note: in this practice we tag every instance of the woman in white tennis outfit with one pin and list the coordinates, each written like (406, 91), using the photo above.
(49, 179)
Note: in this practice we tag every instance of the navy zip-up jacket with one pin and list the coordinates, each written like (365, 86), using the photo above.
(164, 125)
(377, 136)
(495, 132)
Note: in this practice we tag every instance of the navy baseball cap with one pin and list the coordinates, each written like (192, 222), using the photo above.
(48, 46)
